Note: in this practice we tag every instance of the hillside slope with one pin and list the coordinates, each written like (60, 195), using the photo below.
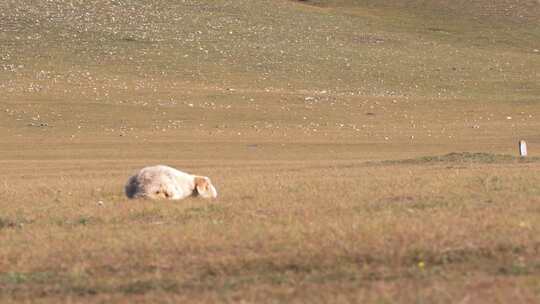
(413, 48)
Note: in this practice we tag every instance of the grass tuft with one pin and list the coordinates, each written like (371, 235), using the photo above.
(6, 223)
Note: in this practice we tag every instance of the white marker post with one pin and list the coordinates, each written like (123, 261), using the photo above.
(522, 148)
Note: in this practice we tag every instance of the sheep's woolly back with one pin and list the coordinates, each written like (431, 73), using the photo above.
(159, 182)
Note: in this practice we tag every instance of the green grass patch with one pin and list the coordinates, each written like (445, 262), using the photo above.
(464, 158)
(37, 277)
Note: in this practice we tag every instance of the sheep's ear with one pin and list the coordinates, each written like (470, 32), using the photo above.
(204, 187)
(201, 183)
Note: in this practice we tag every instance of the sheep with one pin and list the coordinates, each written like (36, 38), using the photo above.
(164, 182)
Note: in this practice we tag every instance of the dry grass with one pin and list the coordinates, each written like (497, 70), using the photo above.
(340, 155)
(308, 231)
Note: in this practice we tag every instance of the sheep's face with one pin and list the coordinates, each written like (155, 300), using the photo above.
(204, 187)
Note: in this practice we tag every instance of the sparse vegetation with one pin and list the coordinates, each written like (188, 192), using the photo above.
(468, 158)
(335, 131)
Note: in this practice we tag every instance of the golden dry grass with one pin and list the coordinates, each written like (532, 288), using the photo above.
(329, 147)
(314, 231)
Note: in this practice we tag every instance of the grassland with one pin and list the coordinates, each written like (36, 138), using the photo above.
(364, 151)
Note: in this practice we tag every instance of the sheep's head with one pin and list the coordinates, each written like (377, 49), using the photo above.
(204, 187)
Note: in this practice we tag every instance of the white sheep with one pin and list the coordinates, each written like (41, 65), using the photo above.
(163, 182)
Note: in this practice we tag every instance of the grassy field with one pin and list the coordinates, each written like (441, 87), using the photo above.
(363, 151)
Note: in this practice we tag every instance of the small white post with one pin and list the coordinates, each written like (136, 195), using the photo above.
(522, 148)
